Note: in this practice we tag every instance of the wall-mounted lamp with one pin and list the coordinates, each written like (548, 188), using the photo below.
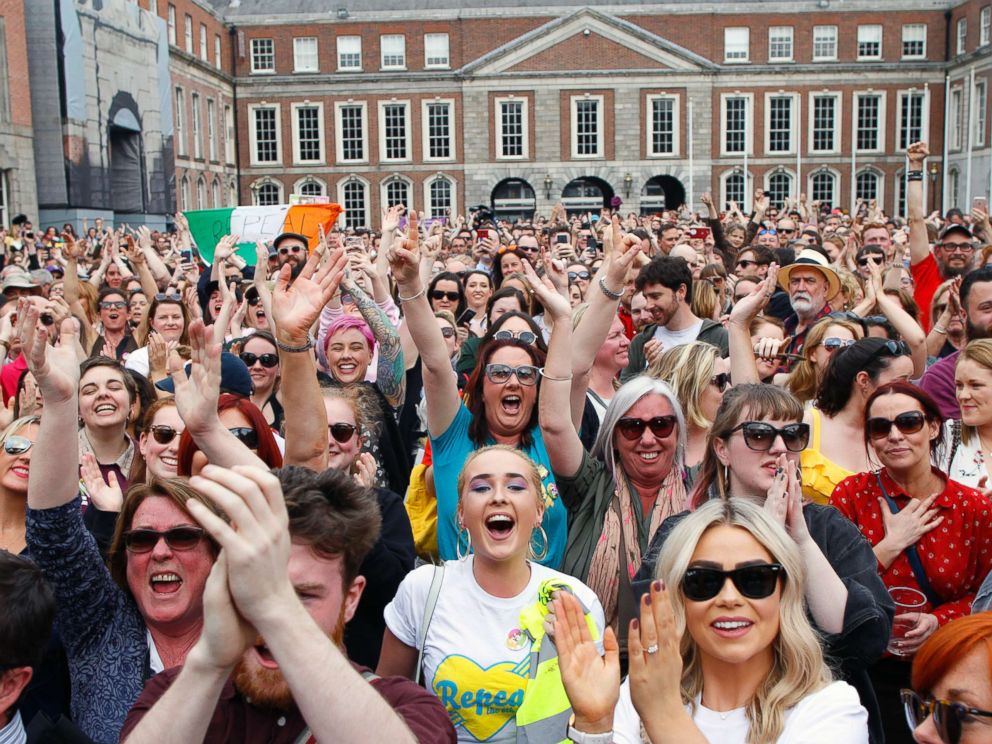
(548, 182)
(628, 180)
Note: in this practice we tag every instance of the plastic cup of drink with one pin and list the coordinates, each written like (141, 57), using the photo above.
(907, 600)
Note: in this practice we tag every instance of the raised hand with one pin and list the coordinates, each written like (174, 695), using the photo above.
(226, 635)
(198, 393)
(365, 470)
(404, 255)
(106, 496)
(391, 218)
(225, 247)
(917, 152)
(748, 307)
(554, 302)
(654, 655)
(296, 306)
(55, 368)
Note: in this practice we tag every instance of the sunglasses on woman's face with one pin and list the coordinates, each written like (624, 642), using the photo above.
(909, 422)
(342, 432)
(948, 717)
(501, 373)
(15, 445)
(437, 294)
(633, 428)
(178, 538)
(246, 435)
(573, 275)
(447, 331)
(266, 360)
(721, 381)
(524, 337)
(760, 437)
(754, 582)
(163, 434)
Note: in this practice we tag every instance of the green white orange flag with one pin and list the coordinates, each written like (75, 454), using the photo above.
(258, 223)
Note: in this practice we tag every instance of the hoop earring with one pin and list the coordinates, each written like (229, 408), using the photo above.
(545, 544)
(458, 544)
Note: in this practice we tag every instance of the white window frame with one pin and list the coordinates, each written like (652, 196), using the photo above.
(294, 109)
(981, 115)
(184, 193)
(825, 58)
(879, 179)
(348, 39)
(253, 57)
(427, 192)
(313, 66)
(725, 176)
(524, 122)
(985, 26)
(204, 48)
(217, 51)
(257, 184)
(600, 127)
(211, 130)
(300, 183)
(437, 37)
(767, 178)
(956, 119)
(924, 119)
(215, 194)
(382, 51)
(367, 196)
(961, 36)
(384, 185)
(252, 134)
(339, 129)
(727, 45)
(835, 200)
(783, 31)
(882, 120)
(793, 131)
(408, 133)
(230, 156)
(171, 15)
(676, 126)
(838, 119)
(869, 29)
(425, 129)
(201, 193)
(180, 125)
(188, 33)
(914, 28)
(749, 128)
(197, 126)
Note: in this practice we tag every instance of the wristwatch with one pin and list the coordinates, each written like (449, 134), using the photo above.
(581, 737)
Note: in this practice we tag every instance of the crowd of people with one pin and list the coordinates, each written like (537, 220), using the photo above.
(684, 477)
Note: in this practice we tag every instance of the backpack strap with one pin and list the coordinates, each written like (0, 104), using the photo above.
(432, 596)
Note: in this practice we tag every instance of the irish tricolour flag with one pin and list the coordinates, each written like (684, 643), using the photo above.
(258, 223)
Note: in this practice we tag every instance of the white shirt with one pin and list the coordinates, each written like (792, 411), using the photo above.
(13, 732)
(476, 658)
(831, 715)
(671, 339)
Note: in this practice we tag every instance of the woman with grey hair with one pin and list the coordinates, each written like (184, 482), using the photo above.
(618, 494)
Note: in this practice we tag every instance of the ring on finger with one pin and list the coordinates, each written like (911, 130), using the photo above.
(652, 649)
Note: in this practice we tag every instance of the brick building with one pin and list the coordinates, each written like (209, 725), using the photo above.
(449, 104)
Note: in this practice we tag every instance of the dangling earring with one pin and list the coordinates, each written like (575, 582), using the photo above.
(726, 477)
(545, 545)
(458, 543)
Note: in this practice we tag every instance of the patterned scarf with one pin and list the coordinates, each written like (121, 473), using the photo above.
(604, 578)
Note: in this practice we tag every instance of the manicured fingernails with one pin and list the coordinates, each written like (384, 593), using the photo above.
(657, 585)
(647, 599)
(635, 624)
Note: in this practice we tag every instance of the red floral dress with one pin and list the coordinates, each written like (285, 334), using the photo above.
(956, 555)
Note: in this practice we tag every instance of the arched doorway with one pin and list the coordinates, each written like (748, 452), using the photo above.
(661, 193)
(126, 162)
(586, 194)
(513, 199)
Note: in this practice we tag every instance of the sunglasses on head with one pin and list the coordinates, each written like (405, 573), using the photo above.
(266, 360)
(633, 428)
(833, 343)
(163, 434)
(754, 582)
(438, 294)
(113, 305)
(909, 422)
(721, 381)
(760, 437)
(501, 373)
(768, 231)
(16, 445)
(573, 275)
(168, 298)
(246, 435)
(253, 300)
(889, 348)
(342, 432)
(178, 538)
(524, 337)
(948, 717)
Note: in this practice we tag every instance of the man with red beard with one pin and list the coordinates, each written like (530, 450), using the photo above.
(269, 664)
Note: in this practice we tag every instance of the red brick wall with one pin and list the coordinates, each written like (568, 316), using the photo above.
(18, 86)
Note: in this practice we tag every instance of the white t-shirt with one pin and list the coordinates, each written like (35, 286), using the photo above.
(137, 361)
(476, 658)
(671, 339)
(831, 715)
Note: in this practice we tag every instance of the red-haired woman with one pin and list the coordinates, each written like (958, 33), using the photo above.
(246, 422)
(899, 509)
(951, 699)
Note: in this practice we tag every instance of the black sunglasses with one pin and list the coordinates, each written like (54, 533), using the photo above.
(438, 294)
(342, 432)
(863, 261)
(909, 422)
(573, 275)
(17, 445)
(267, 360)
(168, 298)
(163, 434)
(889, 348)
(754, 582)
(760, 437)
(246, 435)
(947, 716)
(833, 343)
(178, 538)
(745, 263)
(286, 251)
(525, 337)
(633, 428)
(721, 381)
(253, 300)
(501, 373)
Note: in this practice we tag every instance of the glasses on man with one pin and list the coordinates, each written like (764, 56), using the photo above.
(113, 305)
(754, 582)
(291, 249)
(948, 718)
(178, 538)
(872, 258)
(632, 429)
(760, 437)
(957, 247)
(909, 422)
(501, 373)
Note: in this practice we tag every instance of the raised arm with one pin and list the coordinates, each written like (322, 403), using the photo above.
(295, 309)
(390, 372)
(903, 322)
(919, 243)
(440, 383)
(743, 368)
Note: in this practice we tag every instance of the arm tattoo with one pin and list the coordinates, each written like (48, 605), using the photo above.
(391, 370)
